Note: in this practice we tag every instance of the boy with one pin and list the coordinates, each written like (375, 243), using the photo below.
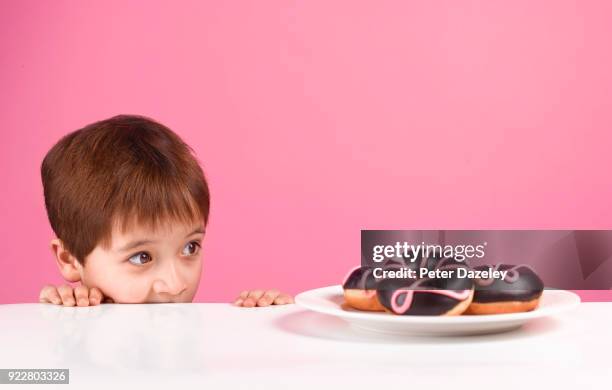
(129, 205)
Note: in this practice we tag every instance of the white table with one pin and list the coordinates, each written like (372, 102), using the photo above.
(209, 346)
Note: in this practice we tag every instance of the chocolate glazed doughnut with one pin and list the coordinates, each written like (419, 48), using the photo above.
(359, 287)
(519, 291)
(425, 296)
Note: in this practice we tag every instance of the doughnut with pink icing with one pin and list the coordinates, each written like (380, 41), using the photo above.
(359, 286)
(425, 296)
(520, 290)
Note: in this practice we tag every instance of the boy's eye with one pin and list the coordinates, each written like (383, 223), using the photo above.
(191, 248)
(140, 258)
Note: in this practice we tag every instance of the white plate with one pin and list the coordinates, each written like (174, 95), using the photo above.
(330, 300)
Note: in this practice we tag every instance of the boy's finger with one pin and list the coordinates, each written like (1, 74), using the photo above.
(243, 295)
(249, 302)
(252, 298)
(49, 294)
(268, 298)
(255, 295)
(283, 299)
(82, 295)
(66, 294)
(95, 296)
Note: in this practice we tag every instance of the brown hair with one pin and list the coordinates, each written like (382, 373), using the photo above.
(125, 169)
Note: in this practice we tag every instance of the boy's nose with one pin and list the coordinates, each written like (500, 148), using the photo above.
(169, 282)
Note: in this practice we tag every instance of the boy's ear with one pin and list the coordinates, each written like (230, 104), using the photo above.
(68, 265)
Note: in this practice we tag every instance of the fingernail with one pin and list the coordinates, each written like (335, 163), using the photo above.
(56, 301)
(69, 302)
(83, 302)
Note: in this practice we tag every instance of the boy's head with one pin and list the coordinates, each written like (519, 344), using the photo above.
(128, 203)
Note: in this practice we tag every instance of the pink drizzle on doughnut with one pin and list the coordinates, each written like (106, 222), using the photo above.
(401, 309)
(511, 277)
(459, 295)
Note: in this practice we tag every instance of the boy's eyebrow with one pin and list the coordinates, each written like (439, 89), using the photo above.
(134, 244)
(198, 230)
(138, 243)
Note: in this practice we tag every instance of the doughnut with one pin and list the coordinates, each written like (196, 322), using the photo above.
(426, 296)
(519, 291)
(359, 288)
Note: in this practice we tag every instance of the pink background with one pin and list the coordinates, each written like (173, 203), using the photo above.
(316, 119)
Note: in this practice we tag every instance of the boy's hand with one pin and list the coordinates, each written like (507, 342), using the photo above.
(262, 298)
(68, 296)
